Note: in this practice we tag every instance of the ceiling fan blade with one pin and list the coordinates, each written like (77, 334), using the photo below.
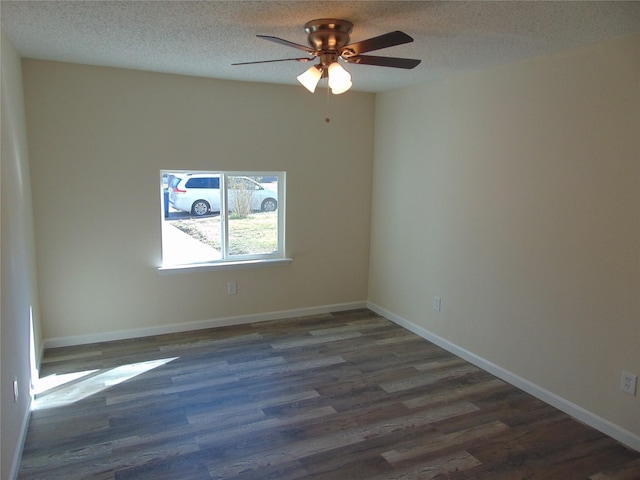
(303, 59)
(390, 39)
(287, 43)
(394, 62)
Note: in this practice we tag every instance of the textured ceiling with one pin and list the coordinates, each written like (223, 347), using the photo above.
(203, 38)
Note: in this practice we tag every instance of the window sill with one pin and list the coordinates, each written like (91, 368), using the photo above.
(203, 267)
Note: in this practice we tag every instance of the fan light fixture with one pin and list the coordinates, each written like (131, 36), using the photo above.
(310, 78)
(339, 78)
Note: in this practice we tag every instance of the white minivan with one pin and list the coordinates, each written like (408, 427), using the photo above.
(199, 193)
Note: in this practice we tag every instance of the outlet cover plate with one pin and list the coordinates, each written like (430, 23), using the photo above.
(628, 383)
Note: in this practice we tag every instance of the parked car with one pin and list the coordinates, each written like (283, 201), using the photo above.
(199, 193)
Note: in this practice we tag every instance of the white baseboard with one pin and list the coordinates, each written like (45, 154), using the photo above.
(199, 325)
(605, 426)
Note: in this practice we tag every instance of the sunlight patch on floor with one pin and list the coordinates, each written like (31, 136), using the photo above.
(69, 388)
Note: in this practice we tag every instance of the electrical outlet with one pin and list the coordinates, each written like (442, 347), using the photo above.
(628, 383)
(232, 288)
(15, 391)
(436, 304)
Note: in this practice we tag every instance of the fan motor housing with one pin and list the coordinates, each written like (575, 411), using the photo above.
(328, 34)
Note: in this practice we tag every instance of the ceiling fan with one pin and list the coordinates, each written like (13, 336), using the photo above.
(328, 40)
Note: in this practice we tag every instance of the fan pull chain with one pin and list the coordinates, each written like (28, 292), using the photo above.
(327, 119)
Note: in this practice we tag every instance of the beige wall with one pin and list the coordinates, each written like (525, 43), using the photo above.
(513, 194)
(98, 138)
(17, 262)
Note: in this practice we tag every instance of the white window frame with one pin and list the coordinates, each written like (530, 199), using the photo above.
(226, 260)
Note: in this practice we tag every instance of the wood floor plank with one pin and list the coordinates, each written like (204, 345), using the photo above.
(460, 461)
(621, 471)
(424, 447)
(348, 395)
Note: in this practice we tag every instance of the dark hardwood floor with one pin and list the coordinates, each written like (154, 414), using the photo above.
(338, 396)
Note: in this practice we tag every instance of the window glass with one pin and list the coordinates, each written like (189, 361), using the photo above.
(218, 217)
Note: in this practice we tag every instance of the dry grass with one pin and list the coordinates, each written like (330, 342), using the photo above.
(255, 234)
